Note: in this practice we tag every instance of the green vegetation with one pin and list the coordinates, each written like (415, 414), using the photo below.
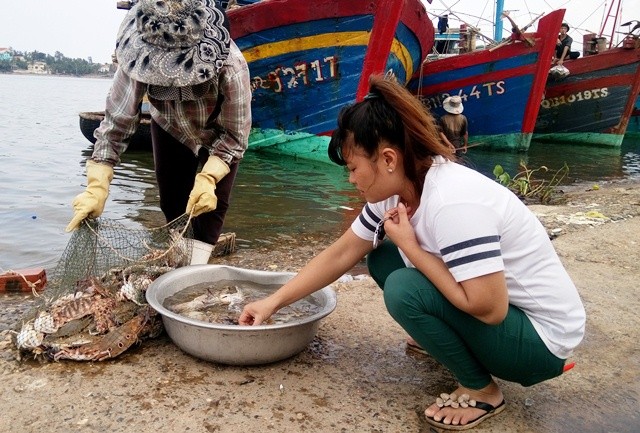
(56, 64)
(528, 188)
(5, 65)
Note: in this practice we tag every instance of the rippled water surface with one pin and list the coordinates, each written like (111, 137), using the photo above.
(42, 154)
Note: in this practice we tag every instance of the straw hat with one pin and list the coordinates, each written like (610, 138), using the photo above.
(173, 43)
(453, 105)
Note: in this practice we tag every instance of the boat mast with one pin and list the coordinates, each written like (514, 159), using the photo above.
(615, 17)
(497, 32)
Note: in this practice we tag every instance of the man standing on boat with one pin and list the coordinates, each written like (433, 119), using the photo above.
(563, 45)
(179, 53)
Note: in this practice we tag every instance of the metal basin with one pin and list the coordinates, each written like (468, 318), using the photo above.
(234, 344)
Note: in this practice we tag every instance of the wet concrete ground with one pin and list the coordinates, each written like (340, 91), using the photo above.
(356, 376)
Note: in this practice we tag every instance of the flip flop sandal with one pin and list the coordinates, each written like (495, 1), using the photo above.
(462, 402)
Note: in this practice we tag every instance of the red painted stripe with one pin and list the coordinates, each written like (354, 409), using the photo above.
(276, 13)
(605, 60)
(384, 28)
(631, 101)
(546, 40)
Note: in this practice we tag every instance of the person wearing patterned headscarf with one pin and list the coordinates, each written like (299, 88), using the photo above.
(180, 54)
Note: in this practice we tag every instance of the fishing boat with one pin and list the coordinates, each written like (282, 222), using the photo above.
(593, 104)
(633, 128)
(501, 86)
(141, 139)
(308, 61)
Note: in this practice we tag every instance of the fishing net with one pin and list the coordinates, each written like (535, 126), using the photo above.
(94, 305)
(101, 245)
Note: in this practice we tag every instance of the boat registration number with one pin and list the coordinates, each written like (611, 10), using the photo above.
(477, 91)
(584, 95)
(304, 74)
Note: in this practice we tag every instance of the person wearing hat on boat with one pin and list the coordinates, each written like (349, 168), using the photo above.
(467, 270)
(563, 45)
(179, 53)
(453, 125)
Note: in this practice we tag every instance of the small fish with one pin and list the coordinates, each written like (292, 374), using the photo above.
(229, 295)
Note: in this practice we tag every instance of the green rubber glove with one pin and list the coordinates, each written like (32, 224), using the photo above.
(91, 202)
(203, 195)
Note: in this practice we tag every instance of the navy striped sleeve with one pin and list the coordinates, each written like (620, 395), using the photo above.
(365, 222)
(471, 250)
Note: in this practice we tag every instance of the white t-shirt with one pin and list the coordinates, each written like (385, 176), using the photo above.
(478, 227)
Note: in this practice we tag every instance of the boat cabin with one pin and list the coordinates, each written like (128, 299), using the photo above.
(454, 41)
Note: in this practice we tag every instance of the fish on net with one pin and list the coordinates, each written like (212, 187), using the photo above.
(94, 307)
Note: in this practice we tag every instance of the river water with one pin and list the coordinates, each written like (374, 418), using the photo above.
(42, 152)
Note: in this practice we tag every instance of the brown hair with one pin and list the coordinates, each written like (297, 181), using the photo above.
(390, 112)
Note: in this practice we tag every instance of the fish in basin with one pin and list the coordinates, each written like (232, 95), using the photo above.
(223, 302)
(214, 305)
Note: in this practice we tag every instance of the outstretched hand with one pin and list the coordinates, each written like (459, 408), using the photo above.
(256, 313)
(398, 228)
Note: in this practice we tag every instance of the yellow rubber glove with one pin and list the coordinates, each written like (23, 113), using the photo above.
(91, 202)
(203, 195)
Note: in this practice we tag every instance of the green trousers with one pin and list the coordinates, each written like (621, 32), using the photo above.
(472, 350)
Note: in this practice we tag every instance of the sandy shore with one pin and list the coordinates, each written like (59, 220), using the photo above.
(357, 376)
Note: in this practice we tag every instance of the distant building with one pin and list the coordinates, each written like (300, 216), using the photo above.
(6, 54)
(37, 68)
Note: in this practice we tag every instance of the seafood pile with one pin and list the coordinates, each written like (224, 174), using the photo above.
(101, 317)
(94, 308)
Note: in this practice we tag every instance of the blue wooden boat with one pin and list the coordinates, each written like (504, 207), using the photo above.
(593, 104)
(307, 60)
(501, 87)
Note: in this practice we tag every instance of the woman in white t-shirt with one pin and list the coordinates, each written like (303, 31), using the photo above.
(467, 270)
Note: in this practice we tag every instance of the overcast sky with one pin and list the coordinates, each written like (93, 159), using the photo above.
(87, 28)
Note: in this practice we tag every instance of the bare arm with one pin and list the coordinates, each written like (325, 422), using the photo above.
(484, 297)
(321, 271)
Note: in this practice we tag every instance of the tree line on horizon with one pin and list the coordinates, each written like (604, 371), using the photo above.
(56, 64)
